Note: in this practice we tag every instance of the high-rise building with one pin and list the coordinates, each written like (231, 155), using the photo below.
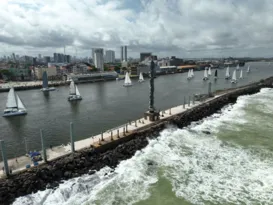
(55, 56)
(98, 56)
(143, 56)
(121, 54)
(125, 53)
(109, 56)
(46, 59)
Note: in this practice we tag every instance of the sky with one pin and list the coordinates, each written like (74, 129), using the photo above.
(183, 28)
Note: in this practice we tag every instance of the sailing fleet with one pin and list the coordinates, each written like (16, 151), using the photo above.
(15, 106)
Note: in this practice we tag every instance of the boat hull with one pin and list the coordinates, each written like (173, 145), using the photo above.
(205, 79)
(48, 89)
(233, 81)
(140, 81)
(12, 114)
(127, 85)
(74, 98)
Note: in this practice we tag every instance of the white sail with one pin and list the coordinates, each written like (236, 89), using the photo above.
(234, 78)
(189, 74)
(20, 103)
(141, 77)
(127, 80)
(205, 73)
(209, 72)
(248, 69)
(241, 74)
(227, 73)
(238, 67)
(72, 89)
(192, 74)
(77, 91)
(11, 102)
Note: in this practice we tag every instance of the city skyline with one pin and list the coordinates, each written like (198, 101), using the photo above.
(181, 28)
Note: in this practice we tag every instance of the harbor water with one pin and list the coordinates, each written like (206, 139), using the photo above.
(105, 105)
(226, 158)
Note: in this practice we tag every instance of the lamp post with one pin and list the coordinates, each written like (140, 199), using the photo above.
(152, 88)
(152, 114)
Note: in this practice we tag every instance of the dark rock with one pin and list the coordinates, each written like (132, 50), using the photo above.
(88, 161)
(67, 174)
(206, 132)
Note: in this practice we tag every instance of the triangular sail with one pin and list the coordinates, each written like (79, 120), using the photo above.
(11, 101)
(127, 79)
(238, 67)
(72, 89)
(241, 74)
(141, 77)
(45, 80)
(205, 73)
(227, 73)
(216, 73)
(234, 75)
(192, 74)
(248, 69)
(209, 72)
(189, 74)
(77, 91)
(20, 103)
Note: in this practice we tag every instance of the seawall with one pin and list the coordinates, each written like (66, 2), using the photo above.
(88, 160)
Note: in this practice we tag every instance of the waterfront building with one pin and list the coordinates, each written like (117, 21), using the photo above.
(121, 54)
(98, 55)
(109, 56)
(143, 56)
(51, 71)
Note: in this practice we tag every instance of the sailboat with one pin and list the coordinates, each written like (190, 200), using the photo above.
(14, 105)
(248, 69)
(189, 75)
(205, 75)
(238, 67)
(215, 75)
(141, 79)
(227, 74)
(241, 74)
(45, 84)
(74, 93)
(234, 78)
(209, 72)
(127, 81)
(192, 74)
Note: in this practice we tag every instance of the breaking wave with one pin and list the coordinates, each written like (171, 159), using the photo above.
(205, 162)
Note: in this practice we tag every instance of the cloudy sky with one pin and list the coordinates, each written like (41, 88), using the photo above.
(185, 28)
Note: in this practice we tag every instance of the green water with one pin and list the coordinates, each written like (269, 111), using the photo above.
(232, 165)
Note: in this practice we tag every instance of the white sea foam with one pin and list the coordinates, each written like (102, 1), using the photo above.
(200, 167)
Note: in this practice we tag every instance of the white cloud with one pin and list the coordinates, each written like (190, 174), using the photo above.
(166, 27)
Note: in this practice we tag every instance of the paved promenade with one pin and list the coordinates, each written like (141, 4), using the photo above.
(21, 162)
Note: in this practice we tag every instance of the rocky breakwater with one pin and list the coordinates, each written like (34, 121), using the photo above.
(87, 161)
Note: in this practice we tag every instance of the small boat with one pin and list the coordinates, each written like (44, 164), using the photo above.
(189, 75)
(141, 79)
(74, 93)
(45, 84)
(234, 78)
(192, 74)
(248, 69)
(227, 76)
(14, 105)
(127, 81)
(216, 75)
(238, 67)
(241, 74)
(205, 75)
(209, 72)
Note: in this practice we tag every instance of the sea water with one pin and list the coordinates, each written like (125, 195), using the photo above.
(231, 165)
